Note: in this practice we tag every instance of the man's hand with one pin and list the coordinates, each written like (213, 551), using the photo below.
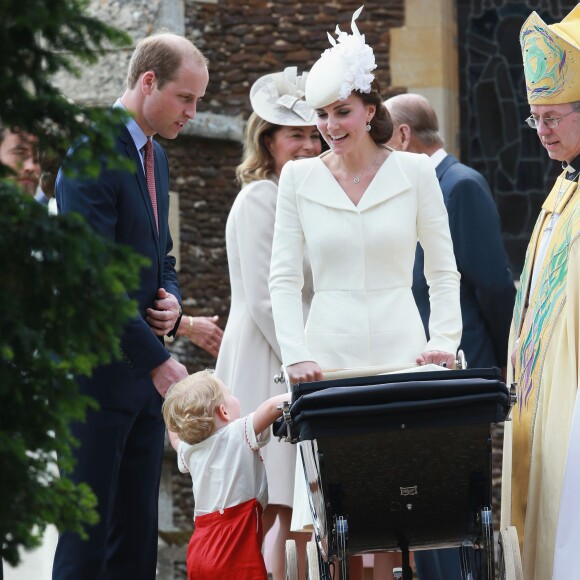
(163, 317)
(166, 374)
(203, 331)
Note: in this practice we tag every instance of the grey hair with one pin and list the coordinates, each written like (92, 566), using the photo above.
(416, 111)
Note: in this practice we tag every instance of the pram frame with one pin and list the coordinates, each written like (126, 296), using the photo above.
(328, 554)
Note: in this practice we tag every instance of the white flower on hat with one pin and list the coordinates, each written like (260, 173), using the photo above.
(359, 58)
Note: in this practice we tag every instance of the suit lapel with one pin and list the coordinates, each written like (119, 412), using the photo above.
(163, 219)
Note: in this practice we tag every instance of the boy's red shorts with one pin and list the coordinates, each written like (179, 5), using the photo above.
(228, 545)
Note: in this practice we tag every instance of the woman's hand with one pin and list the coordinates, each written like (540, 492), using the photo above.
(304, 372)
(203, 331)
(436, 357)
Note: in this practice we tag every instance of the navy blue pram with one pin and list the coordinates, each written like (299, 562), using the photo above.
(398, 462)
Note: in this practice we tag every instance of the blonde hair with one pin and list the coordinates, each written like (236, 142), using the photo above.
(257, 161)
(189, 406)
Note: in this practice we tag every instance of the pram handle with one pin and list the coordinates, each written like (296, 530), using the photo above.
(460, 363)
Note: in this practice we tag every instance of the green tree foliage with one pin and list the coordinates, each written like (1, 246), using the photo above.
(64, 288)
(64, 307)
(38, 38)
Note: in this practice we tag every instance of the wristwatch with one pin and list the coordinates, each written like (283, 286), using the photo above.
(174, 329)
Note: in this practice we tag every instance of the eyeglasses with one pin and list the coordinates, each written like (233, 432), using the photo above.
(550, 122)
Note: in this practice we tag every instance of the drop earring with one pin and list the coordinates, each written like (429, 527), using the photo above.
(368, 127)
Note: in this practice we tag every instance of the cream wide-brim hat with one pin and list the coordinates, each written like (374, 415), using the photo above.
(279, 98)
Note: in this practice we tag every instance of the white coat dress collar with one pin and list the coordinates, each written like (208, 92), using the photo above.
(320, 186)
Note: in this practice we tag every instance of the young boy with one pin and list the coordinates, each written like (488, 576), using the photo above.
(221, 452)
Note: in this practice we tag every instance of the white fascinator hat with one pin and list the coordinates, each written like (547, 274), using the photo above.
(344, 68)
(279, 98)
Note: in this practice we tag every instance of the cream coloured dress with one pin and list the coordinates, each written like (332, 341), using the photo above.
(363, 312)
(249, 355)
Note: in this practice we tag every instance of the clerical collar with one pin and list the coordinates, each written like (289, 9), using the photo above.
(567, 167)
(572, 169)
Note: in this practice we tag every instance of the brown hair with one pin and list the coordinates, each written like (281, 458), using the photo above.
(381, 124)
(163, 53)
(257, 161)
(190, 405)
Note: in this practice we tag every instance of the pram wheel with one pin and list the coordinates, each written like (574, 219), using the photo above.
(312, 562)
(291, 560)
(510, 562)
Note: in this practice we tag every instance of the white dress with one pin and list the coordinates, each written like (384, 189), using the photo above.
(363, 312)
(249, 356)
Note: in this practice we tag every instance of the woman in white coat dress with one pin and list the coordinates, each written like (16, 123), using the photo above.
(281, 128)
(359, 210)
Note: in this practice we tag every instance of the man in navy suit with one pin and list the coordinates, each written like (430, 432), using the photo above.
(121, 443)
(487, 290)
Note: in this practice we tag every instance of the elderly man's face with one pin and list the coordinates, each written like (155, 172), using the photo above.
(563, 141)
(18, 151)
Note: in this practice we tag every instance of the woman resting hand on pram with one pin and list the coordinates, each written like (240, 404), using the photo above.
(359, 210)
(304, 372)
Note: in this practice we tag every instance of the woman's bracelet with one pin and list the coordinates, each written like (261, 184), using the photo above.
(190, 326)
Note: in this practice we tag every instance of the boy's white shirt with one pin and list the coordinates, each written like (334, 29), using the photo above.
(226, 468)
